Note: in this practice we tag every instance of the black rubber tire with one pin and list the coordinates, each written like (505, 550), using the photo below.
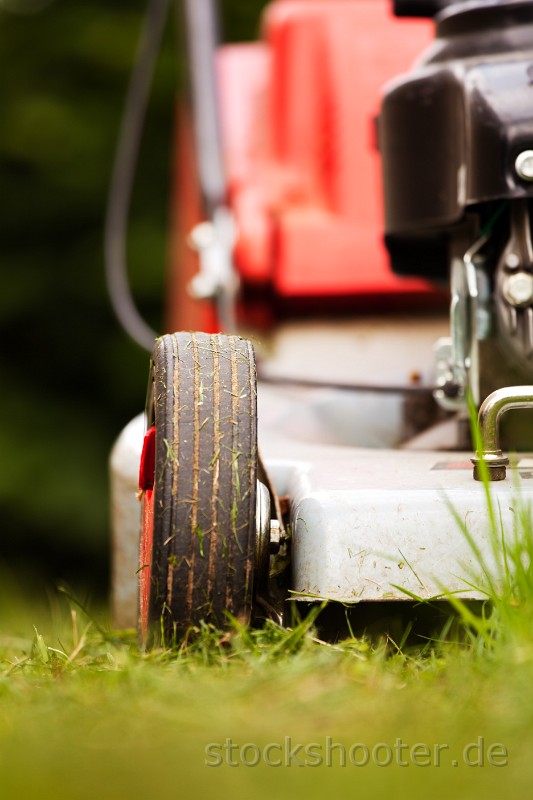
(204, 407)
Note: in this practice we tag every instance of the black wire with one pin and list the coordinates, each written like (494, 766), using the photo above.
(116, 223)
(304, 383)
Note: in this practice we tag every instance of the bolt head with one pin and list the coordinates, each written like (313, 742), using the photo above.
(496, 464)
(518, 289)
(524, 165)
(493, 473)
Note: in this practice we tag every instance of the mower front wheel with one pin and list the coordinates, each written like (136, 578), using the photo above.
(199, 483)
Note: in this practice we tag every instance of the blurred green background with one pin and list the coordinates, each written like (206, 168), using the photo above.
(70, 378)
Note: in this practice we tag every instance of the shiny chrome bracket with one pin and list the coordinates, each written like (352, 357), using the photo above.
(490, 413)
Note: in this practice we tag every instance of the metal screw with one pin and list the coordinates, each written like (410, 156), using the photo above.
(524, 165)
(512, 261)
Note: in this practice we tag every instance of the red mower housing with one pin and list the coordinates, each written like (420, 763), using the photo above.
(298, 117)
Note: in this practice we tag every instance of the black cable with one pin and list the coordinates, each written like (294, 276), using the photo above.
(127, 152)
(304, 383)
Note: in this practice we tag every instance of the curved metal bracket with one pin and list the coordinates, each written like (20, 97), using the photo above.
(490, 413)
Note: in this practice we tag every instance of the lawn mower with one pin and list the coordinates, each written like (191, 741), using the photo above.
(353, 197)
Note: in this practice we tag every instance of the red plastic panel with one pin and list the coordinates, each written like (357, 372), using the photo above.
(298, 116)
(147, 465)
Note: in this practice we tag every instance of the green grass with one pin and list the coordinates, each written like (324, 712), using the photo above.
(84, 713)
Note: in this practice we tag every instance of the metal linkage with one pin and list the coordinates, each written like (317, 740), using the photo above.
(457, 368)
(457, 357)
